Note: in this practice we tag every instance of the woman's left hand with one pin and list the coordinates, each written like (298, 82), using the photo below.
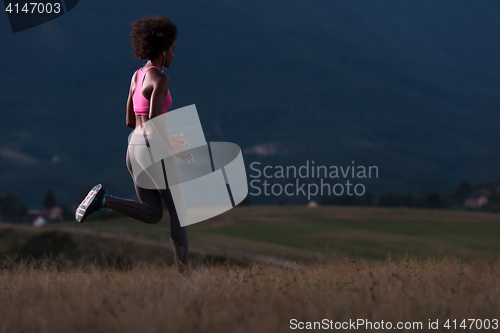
(176, 138)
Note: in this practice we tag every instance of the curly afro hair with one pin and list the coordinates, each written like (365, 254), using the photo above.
(152, 35)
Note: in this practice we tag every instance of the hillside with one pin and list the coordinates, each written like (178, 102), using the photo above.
(270, 234)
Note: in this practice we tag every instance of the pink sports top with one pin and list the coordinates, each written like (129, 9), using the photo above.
(141, 104)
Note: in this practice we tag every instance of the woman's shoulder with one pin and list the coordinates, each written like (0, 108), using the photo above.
(133, 81)
(156, 76)
(160, 77)
(163, 82)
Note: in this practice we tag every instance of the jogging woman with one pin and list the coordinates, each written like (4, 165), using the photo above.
(152, 38)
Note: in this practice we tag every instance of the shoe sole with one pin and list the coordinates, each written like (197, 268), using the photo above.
(80, 211)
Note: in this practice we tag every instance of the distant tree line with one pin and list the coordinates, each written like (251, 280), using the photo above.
(349, 200)
(426, 200)
(13, 209)
(454, 199)
(429, 199)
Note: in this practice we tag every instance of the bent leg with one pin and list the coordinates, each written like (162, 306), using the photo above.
(149, 209)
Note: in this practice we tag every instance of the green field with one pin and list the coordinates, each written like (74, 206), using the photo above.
(289, 233)
(348, 274)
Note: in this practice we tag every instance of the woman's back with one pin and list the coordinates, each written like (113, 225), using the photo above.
(141, 103)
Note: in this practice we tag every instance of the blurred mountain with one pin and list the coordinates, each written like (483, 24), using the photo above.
(409, 86)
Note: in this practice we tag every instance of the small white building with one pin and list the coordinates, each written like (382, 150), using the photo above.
(47, 214)
(312, 204)
(477, 198)
(39, 221)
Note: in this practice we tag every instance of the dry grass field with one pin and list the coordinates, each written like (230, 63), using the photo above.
(267, 269)
(56, 297)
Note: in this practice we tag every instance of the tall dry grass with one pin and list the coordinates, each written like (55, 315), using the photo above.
(50, 297)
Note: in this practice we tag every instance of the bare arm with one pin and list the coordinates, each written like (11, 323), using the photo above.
(158, 121)
(160, 90)
(130, 121)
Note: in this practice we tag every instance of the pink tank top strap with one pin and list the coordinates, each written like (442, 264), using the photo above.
(149, 68)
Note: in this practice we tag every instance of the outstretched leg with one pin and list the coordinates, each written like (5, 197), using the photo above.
(148, 209)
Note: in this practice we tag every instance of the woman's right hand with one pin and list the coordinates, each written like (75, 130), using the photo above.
(182, 153)
(176, 139)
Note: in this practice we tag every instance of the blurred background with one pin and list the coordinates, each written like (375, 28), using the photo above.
(409, 86)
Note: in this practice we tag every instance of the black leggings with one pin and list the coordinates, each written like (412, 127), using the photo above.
(149, 210)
